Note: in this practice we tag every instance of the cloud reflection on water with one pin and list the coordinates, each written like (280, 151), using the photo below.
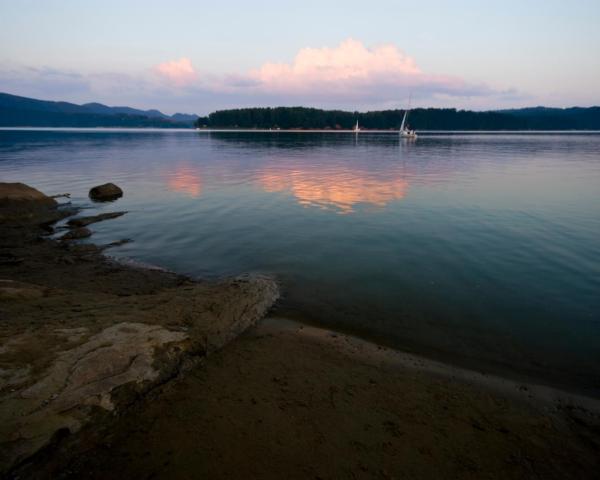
(287, 164)
(185, 179)
(340, 189)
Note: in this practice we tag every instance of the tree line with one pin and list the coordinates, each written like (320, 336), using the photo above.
(421, 119)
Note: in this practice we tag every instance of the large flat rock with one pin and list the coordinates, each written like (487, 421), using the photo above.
(68, 356)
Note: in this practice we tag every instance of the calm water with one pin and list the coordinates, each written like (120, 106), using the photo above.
(483, 249)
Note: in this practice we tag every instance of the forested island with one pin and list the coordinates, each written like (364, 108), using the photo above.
(539, 118)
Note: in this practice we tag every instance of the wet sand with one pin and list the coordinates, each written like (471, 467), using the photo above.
(286, 400)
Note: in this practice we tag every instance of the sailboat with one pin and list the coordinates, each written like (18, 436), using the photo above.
(356, 127)
(405, 131)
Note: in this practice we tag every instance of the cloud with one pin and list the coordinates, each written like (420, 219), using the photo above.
(350, 76)
(179, 72)
(42, 81)
(348, 65)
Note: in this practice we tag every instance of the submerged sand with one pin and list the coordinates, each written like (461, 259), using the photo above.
(282, 400)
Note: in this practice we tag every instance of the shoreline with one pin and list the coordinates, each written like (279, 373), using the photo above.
(526, 389)
(64, 302)
(258, 130)
(285, 400)
(528, 375)
(83, 337)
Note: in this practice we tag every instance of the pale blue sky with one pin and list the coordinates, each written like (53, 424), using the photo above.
(469, 53)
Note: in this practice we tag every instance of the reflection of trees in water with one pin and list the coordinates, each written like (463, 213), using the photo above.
(300, 140)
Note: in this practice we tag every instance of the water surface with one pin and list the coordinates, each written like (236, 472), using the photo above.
(482, 248)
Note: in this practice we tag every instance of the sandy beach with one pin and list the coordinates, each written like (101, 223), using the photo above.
(113, 371)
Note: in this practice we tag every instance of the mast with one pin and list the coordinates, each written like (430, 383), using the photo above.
(406, 114)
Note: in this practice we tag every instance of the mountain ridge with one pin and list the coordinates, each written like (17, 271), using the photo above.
(16, 110)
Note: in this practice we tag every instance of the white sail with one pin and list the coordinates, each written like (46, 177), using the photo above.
(404, 120)
(404, 131)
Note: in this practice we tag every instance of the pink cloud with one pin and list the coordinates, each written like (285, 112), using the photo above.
(179, 72)
(348, 74)
(348, 65)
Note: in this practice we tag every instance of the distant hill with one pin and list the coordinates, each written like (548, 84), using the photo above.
(184, 117)
(105, 110)
(18, 111)
(539, 118)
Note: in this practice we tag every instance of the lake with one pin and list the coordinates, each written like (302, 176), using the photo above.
(478, 249)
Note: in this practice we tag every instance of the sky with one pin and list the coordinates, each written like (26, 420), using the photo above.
(200, 56)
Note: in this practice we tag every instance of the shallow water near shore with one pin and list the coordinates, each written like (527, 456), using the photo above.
(479, 248)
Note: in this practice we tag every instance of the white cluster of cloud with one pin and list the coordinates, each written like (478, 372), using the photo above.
(349, 75)
(180, 72)
(348, 70)
(348, 65)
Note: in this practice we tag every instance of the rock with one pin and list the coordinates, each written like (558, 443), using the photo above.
(246, 300)
(83, 377)
(19, 195)
(106, 192)
(79, 365)
(116, 356)
(22, 202)
(13, 290)
(77, 233)
(84, 221)
(117, 243)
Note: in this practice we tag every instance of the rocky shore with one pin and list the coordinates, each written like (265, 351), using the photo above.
(113, 371)
(82, 336)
